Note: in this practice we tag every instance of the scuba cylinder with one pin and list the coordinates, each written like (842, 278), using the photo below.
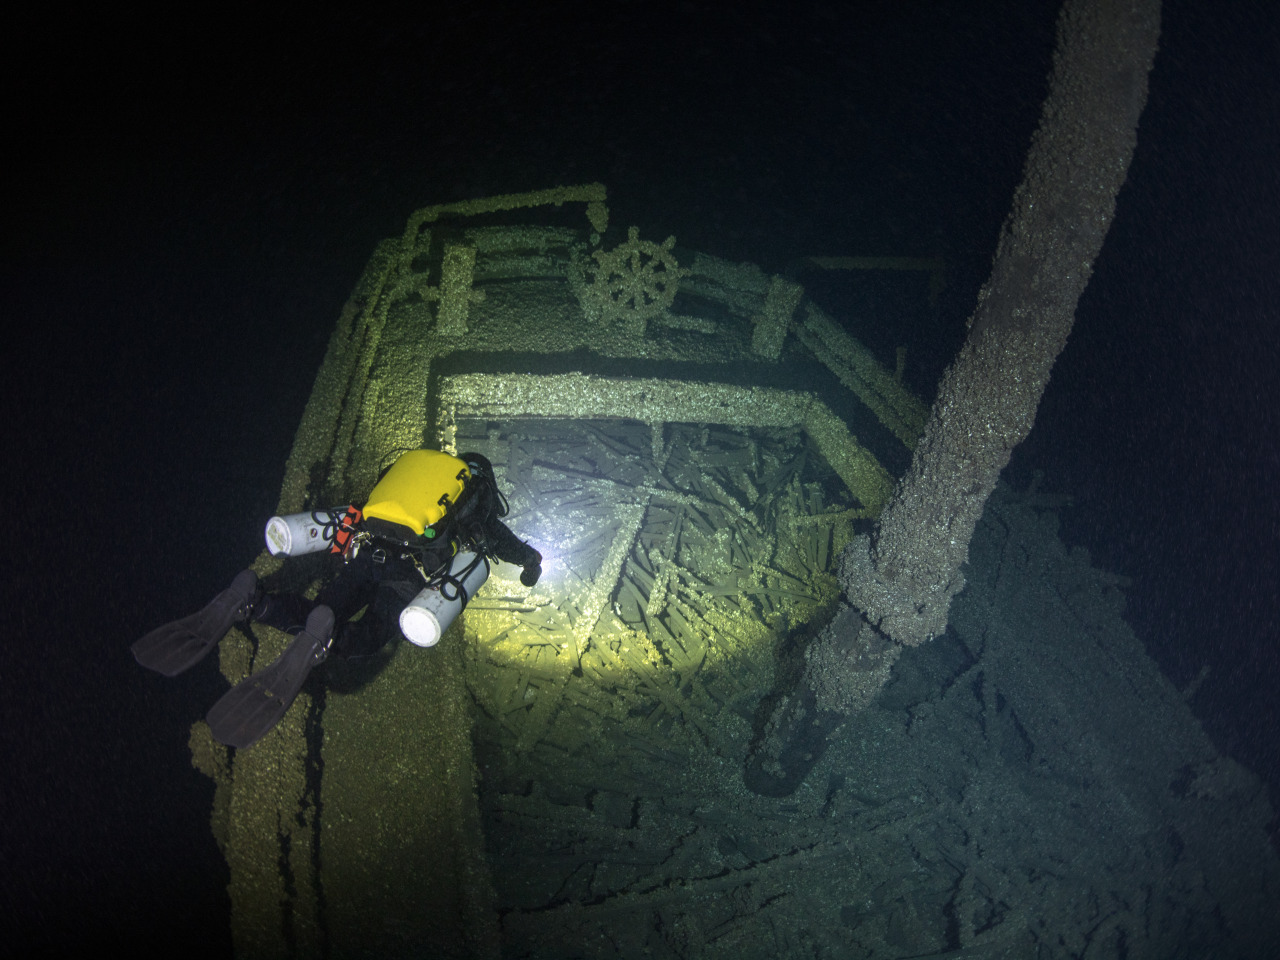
(296, 534)
(436, 606)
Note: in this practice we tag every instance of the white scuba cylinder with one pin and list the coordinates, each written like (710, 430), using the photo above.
(296, 534)
(431, 612)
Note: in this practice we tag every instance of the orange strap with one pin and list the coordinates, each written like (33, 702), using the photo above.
(346, 529)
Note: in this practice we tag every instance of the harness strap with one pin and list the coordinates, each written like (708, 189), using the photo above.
(344, 528)
(456, 581)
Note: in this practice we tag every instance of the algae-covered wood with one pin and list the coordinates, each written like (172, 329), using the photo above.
(688, 516)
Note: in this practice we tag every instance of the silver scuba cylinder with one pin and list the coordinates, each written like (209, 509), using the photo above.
(434, 609)
(296, 534)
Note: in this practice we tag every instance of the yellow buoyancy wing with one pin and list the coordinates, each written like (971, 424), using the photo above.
(417, 489)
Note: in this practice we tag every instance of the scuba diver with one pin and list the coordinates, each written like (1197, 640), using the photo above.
(411, 559)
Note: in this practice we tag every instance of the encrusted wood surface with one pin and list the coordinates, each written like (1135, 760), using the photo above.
(616, 696)
(953, 818)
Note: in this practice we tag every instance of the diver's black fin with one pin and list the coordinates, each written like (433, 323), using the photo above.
(248, 711)
(182, 644)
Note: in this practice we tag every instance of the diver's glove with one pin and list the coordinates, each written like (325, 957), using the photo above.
(532, 569)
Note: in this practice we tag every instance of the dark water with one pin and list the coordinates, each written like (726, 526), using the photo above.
(193, 205)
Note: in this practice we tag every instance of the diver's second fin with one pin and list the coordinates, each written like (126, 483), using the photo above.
(248, 711)
(180, 645)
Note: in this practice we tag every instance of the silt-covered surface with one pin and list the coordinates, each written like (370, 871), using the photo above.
(565, 775)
